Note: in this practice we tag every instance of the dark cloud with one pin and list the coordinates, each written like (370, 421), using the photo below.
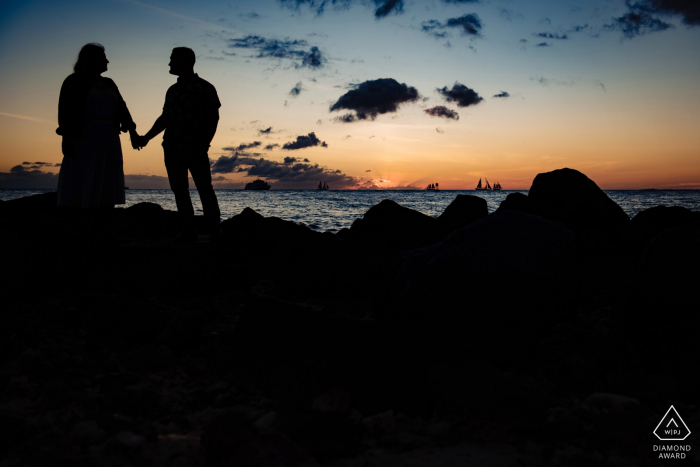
(270, 147)
(502, 94)
(374, 97)
(244, 146)
(230, 54)
(266, 131)
(286, 174)
(544, 44)
(636, 23)
(367, 170)
(385, 7)
(304, 142)
(288, 49)
(290, 160)
(47, 164)
(296, 90)
(461, 95)
(470, 25)
(523, 40)
(20, 177)
(382, 7)
(689, 10)
(549, 35)
(439, 130)
(442, 111)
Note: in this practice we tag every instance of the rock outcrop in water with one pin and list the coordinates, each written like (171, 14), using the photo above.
(551, 332)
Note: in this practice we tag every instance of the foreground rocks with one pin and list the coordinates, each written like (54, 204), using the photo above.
(471, 338)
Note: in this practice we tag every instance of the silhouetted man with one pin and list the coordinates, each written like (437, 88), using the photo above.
(190, 117)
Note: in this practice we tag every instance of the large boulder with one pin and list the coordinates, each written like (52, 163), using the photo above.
(569, 196)
(651, 222)
(508, 270)
(461, 212)
(390, 224)
(31, 204)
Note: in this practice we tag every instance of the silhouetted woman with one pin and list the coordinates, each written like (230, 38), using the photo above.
(91, 112)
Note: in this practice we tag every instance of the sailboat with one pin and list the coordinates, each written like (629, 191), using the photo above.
(433, 187)
(479, 187)
(496, 186)
(322, 186)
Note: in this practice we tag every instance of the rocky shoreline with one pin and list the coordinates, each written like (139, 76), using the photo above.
(553, 331)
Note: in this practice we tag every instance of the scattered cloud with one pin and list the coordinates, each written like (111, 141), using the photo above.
(296, 90)
(502, 94)
(20, 177)
(439, 130)
(367, 170)
(442, 111)
(578, 28)
(637, 22)
(508, 15)
(244, 146)
(282, 49)
(548, 81)
(689, 10)
(470, 25)
(523, 40)
(386, 7)
(460, 94)
(544, 44)
(270, 147)
(302, 142)
(549, 35)
(374, 97)
(286, 174)
(602, 86)
(266, 131)
(459, 2)
(382, 7)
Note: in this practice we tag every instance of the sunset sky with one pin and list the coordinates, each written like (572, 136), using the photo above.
(502, 89)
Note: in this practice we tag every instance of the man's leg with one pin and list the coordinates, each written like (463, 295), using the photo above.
(176, 165)
(201, 174)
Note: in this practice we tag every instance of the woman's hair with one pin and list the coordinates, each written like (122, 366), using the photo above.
(88, 56)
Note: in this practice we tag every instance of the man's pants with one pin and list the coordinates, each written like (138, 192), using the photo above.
(178, 160)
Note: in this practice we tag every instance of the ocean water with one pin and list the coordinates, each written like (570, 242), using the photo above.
(333, 210)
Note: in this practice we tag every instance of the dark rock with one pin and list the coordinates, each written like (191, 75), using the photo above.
(144, 210)
(31, 204)
(519, 202)
(391, 225)
(485, 272)
(651, 222)
(569, 196)
(461, 212)
(251, 226)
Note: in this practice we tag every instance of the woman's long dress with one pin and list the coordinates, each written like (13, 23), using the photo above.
(94, 175)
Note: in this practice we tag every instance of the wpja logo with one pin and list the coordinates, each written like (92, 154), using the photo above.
(672, 428)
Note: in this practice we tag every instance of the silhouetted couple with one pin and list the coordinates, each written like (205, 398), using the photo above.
(92, 112)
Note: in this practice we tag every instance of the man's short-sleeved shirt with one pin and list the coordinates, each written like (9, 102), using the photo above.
(187, 104)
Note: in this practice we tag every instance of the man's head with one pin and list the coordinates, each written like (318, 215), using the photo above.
(182, 61)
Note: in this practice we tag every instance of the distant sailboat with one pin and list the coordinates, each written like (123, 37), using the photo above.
(322, 186)
(433, 187)
(496, 186)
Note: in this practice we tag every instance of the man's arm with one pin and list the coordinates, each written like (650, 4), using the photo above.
(157, 128)
(210, 123)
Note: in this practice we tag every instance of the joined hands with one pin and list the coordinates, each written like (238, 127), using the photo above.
(138, 142)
